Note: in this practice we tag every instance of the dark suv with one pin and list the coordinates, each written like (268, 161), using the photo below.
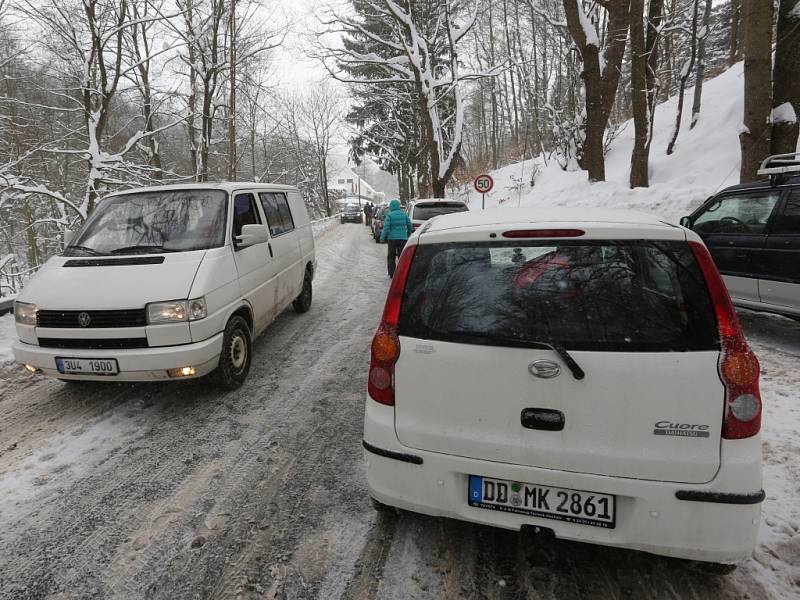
(753, 233)
(351, 213)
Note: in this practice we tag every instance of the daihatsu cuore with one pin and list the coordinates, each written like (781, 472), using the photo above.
(582, 372)
(169, 283)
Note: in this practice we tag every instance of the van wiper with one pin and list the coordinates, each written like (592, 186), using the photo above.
(559, 349)
(140, 249)
(90, 251)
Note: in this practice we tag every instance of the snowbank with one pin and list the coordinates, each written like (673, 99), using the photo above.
(706, 159)
(7, 335)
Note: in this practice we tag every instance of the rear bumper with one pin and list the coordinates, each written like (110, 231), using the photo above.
(141, 364)
(650, 516)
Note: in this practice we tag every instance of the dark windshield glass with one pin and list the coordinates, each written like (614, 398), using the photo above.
(424, 212)
(623, 296)
(169, 221)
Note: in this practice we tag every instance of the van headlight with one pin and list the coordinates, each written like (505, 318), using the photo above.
(176, 311)
(25, 313)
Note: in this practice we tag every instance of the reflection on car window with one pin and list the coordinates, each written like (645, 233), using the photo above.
(614, 296)
(428, 211)
(169, 220)
(244, 212)
(788, 222)
(738, 214)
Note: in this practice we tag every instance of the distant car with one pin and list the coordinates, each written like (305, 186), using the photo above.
(181, 294)
(352, 213)
(753, 232)
(420, 211)
(377, 222)
(581, 372)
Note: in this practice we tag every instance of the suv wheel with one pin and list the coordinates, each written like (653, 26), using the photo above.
(234, 362)
(302, 303)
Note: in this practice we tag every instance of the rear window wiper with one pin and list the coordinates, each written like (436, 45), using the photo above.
(141, 249)
(86, 249)
(559, 349)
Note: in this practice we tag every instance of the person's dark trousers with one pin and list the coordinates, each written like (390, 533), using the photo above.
(395, 248)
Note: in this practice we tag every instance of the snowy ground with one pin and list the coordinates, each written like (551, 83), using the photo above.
(178, 491)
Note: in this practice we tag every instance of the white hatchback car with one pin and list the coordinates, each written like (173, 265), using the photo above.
(583, 372)
(419, 211)
(171, 283)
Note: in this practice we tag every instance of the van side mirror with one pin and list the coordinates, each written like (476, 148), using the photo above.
(686, 222)
(251, 235)
(69, 236)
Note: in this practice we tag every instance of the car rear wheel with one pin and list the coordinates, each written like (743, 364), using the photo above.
(234, 362)
(302, 303)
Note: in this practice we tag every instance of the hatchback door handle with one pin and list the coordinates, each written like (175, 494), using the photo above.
(545, 419)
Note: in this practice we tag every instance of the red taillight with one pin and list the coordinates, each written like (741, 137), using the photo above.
(544, 233)
(385, 343)
(738, 366)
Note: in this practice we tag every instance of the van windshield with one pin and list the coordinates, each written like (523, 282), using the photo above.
(611, 295)
(154, 222)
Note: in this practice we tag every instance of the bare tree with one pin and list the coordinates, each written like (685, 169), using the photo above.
(641, 119)
(702, 36)
(755, 130)
(600, 80)
(785, 79)
(686, 72)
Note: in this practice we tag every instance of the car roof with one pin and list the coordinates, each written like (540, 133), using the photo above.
(534, 216)
(225, 186)
(763, 184)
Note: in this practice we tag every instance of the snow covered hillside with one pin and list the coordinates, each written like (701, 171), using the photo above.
(706, 159)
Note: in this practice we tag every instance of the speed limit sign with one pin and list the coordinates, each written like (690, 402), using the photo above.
(484, 184)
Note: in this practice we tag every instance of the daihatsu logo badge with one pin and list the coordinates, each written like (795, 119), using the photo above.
(545, 369)
(84, 319)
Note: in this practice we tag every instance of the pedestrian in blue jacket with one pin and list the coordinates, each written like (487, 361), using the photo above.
(396, 229)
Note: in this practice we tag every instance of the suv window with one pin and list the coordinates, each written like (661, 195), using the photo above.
(424, 212)
(788, 222)
(244, 212)
(738, 214)
(276, 207)
(615, 296)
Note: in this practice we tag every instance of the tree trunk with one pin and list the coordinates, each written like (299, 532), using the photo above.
(786, 79)
(735, 48)
(600, 83)
(685, 72)
(639, 96)
(701, 65)
(754, 137)
(654, 18)
(232, 96)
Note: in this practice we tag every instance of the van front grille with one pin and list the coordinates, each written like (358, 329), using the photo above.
(89, 319)
(93, 344)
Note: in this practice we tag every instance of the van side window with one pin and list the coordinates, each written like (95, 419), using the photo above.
(276, 207)
(244, 212)
(788, 222)
(744, 213)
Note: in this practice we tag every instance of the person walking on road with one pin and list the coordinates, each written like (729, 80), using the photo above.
(368, 210)
(396, 229)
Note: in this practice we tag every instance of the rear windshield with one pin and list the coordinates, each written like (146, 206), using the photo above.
(615, 296)
(428, 211)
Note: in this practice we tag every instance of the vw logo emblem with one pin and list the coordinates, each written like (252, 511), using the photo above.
(84, 319)
(545, 369)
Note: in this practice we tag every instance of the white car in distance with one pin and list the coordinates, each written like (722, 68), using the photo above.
(581, 372)
(168, 283)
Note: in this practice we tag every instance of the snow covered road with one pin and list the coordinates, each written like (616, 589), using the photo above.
(178, 491)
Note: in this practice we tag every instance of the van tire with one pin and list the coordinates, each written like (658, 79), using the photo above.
(302, 303)
(233, 367)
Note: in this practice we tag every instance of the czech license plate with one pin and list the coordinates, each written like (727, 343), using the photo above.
(87, 366)
(574, 506)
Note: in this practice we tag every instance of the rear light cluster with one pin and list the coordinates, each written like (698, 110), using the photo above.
(738, 366)
(386, 343)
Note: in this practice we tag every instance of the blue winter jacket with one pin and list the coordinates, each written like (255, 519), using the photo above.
(396, 224)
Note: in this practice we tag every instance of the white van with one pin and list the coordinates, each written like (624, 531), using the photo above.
(581, 372)
(169, 283)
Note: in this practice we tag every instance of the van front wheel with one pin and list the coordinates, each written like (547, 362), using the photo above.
(303, 302)
(234, 362)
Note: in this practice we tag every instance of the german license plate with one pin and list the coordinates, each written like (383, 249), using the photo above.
(574, 506)
(87, 366)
